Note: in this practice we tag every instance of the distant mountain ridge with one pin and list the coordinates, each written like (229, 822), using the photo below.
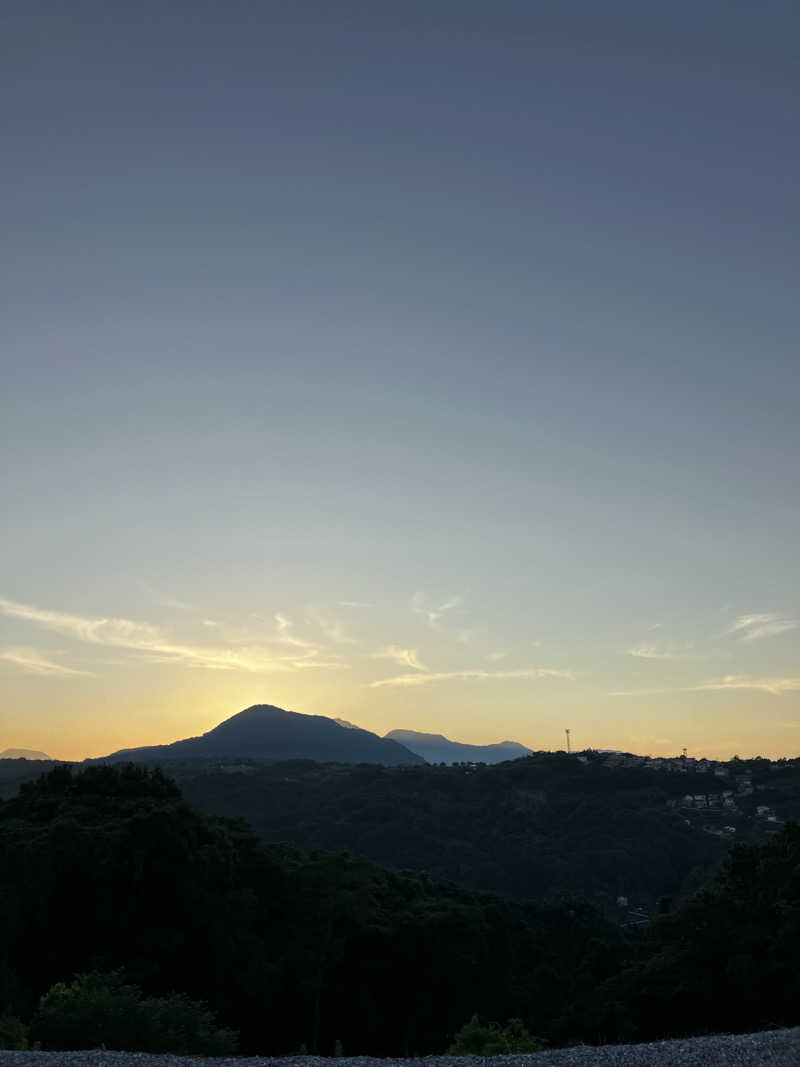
(269, 733)
(23, 753)
(436, 748)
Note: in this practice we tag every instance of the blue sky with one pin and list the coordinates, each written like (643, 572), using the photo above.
(345, 343)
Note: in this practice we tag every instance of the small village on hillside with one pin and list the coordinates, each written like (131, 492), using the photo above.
(733, 780)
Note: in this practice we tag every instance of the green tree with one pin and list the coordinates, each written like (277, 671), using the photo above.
(489, 1039)
(13, 1033)
(102, 1009)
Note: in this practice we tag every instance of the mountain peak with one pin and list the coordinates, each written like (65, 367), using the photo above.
(436, 748)
(347, 725)
(23, 753)
(266, 732)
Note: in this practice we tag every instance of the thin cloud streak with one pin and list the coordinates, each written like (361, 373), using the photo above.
(122, 633)
(753, 627)
(651, 652)
(332, 627)
(406, 657)
(450, 676)
(163, 599)
(434, 614)
(32, 662)
(286, 635)
(644, 692)
(152, 641)
(773, 686)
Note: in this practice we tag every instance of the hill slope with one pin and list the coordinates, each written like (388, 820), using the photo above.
(268, 733)
(109, 868)
(436, 748)
(22, 753)
(530, 828)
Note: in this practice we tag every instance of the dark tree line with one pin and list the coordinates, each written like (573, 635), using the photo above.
(531, 828)
(111, 871)
(725, 961)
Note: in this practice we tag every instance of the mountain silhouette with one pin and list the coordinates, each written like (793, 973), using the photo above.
(270, 733)
(22, 753)
(435, 748)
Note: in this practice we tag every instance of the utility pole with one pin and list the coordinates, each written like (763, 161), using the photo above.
(568, 746)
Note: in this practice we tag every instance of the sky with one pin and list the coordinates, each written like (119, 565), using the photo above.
(429, 364)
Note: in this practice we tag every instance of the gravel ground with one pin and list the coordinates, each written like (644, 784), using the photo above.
(772, 1048)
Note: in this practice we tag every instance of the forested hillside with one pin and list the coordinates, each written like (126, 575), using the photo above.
(530, 828)
(598, 826)
(111, 869)
(725, 961)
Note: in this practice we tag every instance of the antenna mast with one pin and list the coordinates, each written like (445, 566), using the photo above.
(568, 745)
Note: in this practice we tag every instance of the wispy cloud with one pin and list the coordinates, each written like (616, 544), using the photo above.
(645, 692)
(285, 634)
(331, 627)
(652, 652)
(434, 613)
(776, 686)
(406, 657)
(33, 662)
(163, 599)
(354, 604)
(122, 633)
(455, 676)
(156, 644)
(765, 624)
(496, 656)
(310, 664)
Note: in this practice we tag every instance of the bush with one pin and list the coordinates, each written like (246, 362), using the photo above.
(102, 1009)
(478, 1039)
(177, 1024)
(13, 1033)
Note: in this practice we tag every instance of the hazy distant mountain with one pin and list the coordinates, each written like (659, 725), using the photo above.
(435, 748)
(266, 732)
(23, 753)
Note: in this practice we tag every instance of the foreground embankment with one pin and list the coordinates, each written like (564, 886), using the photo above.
(771, 1048)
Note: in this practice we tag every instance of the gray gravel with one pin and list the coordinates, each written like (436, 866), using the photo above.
(772, 1048)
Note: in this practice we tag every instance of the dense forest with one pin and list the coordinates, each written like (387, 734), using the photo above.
(531, 828)
(110, 870)
(598, 826)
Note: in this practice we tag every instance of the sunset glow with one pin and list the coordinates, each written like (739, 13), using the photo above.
(433, 367)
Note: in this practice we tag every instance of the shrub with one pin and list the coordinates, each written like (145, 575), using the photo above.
(177, 1024)
(102, 1009)
(13, 1033)
(489, 1039)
